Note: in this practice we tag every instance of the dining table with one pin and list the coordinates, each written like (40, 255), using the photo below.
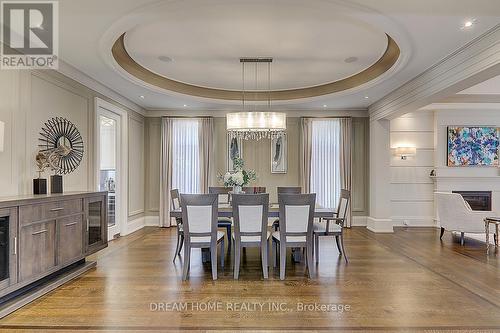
(226, 210)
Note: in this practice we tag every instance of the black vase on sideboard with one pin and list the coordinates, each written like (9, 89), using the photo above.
(39, 186)
(56, 184)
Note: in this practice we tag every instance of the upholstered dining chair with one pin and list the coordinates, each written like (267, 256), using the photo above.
(176, 204)
(285, 190)
(199, 217)
(296, 212)
(223, 198)
(333, 226)
(250, 213)
(254, 189)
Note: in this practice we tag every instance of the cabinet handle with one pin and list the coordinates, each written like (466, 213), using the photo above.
(87, 225)
(40, 232)
(70, 224)
(15, 245)
(56, 209)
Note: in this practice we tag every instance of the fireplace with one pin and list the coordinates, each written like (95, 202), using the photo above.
(478, 200)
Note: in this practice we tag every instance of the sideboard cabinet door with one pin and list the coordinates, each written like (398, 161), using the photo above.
(96, 229)
(37, 249)
(70, 239)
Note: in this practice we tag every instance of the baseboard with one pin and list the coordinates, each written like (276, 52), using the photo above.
(359, 221)
(152, 221)
(379, 225)
(413, 221)
(134, 225)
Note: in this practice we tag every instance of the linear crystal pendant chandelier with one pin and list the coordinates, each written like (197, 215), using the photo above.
(256, 125)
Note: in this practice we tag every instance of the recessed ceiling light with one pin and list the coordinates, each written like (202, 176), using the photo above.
(351, 60)
(324, 105)
(366, 97)
(468, 24)
(164, 58)
(185, 105)
(142, 96)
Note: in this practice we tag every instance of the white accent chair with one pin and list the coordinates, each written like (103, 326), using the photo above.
(455, 214)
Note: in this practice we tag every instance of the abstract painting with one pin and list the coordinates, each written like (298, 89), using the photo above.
(472, 146)
(234, 150)
(279, 154)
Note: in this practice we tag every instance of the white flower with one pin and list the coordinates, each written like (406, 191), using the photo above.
(227, 176)
(238, 178)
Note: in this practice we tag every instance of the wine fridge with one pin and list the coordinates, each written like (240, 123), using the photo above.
(8, 247)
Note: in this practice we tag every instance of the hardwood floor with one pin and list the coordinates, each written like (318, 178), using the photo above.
(408, 280)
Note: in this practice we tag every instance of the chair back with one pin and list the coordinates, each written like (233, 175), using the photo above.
(250, 213)
(222, 192)
(452, 209)
(343, 206)
(289, 190)
(254, 190)
(176, 200)
(296, 214)
(199, 215)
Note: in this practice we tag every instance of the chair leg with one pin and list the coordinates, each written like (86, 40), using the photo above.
(338, 245)
(316, 246)
(342, 245)
(442, 233)
(213, 260)
(187, 259)
(177, 250)
(462, 240)
(263, 254)
(282, 260)
(274, 251)
(229, 236)
(182, 243)
(237, 258)
(222, 258)
(309, 250)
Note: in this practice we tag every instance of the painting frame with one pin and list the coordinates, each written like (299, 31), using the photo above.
(230, 152)
(279, 159)
(472, 146)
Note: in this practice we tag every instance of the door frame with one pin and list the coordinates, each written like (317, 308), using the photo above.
(107, 109)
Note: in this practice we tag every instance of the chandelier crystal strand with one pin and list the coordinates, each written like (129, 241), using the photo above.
(256, 125)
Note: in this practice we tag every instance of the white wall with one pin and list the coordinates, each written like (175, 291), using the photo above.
(465, 178)
(27, 100)
(412, 201)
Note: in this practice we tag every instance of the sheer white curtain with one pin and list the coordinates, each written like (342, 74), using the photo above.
(186, 155)
(325, 161)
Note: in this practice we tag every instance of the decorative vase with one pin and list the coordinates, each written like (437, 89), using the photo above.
(237, 189)
(39, 186)
(56, 184)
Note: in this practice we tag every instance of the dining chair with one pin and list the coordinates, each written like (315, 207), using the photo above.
(176, 204)
(286, 190)
(250, 213)
(254, 189)
(224, 197)
(296, 212)
(289, 190)
(199, 216)
(333, 226)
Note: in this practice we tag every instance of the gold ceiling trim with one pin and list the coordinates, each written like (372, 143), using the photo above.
(382, 65)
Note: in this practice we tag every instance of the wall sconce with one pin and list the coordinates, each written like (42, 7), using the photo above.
(2, 132)
(404, 152)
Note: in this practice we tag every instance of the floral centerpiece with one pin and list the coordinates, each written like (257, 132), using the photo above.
(239, 177)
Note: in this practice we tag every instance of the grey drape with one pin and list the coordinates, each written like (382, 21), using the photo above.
(205, 136)
(346, 160)
(305, 153)
(165, 172)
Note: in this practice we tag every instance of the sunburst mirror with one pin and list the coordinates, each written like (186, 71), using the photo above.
(62, 143)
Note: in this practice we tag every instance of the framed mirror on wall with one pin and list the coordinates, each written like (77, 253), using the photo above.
(234, 150)
(279, 154)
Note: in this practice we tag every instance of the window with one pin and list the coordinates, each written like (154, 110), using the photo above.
(186, 155)
(325, 161)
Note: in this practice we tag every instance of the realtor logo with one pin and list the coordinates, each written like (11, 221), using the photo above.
(29, 35)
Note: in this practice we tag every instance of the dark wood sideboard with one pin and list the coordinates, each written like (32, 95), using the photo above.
(45, 239)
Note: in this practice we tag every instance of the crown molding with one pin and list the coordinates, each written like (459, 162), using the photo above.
(473, 63)
(77, 75)
(289, 113)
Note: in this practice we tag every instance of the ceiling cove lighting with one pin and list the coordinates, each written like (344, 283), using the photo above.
(256, 125)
